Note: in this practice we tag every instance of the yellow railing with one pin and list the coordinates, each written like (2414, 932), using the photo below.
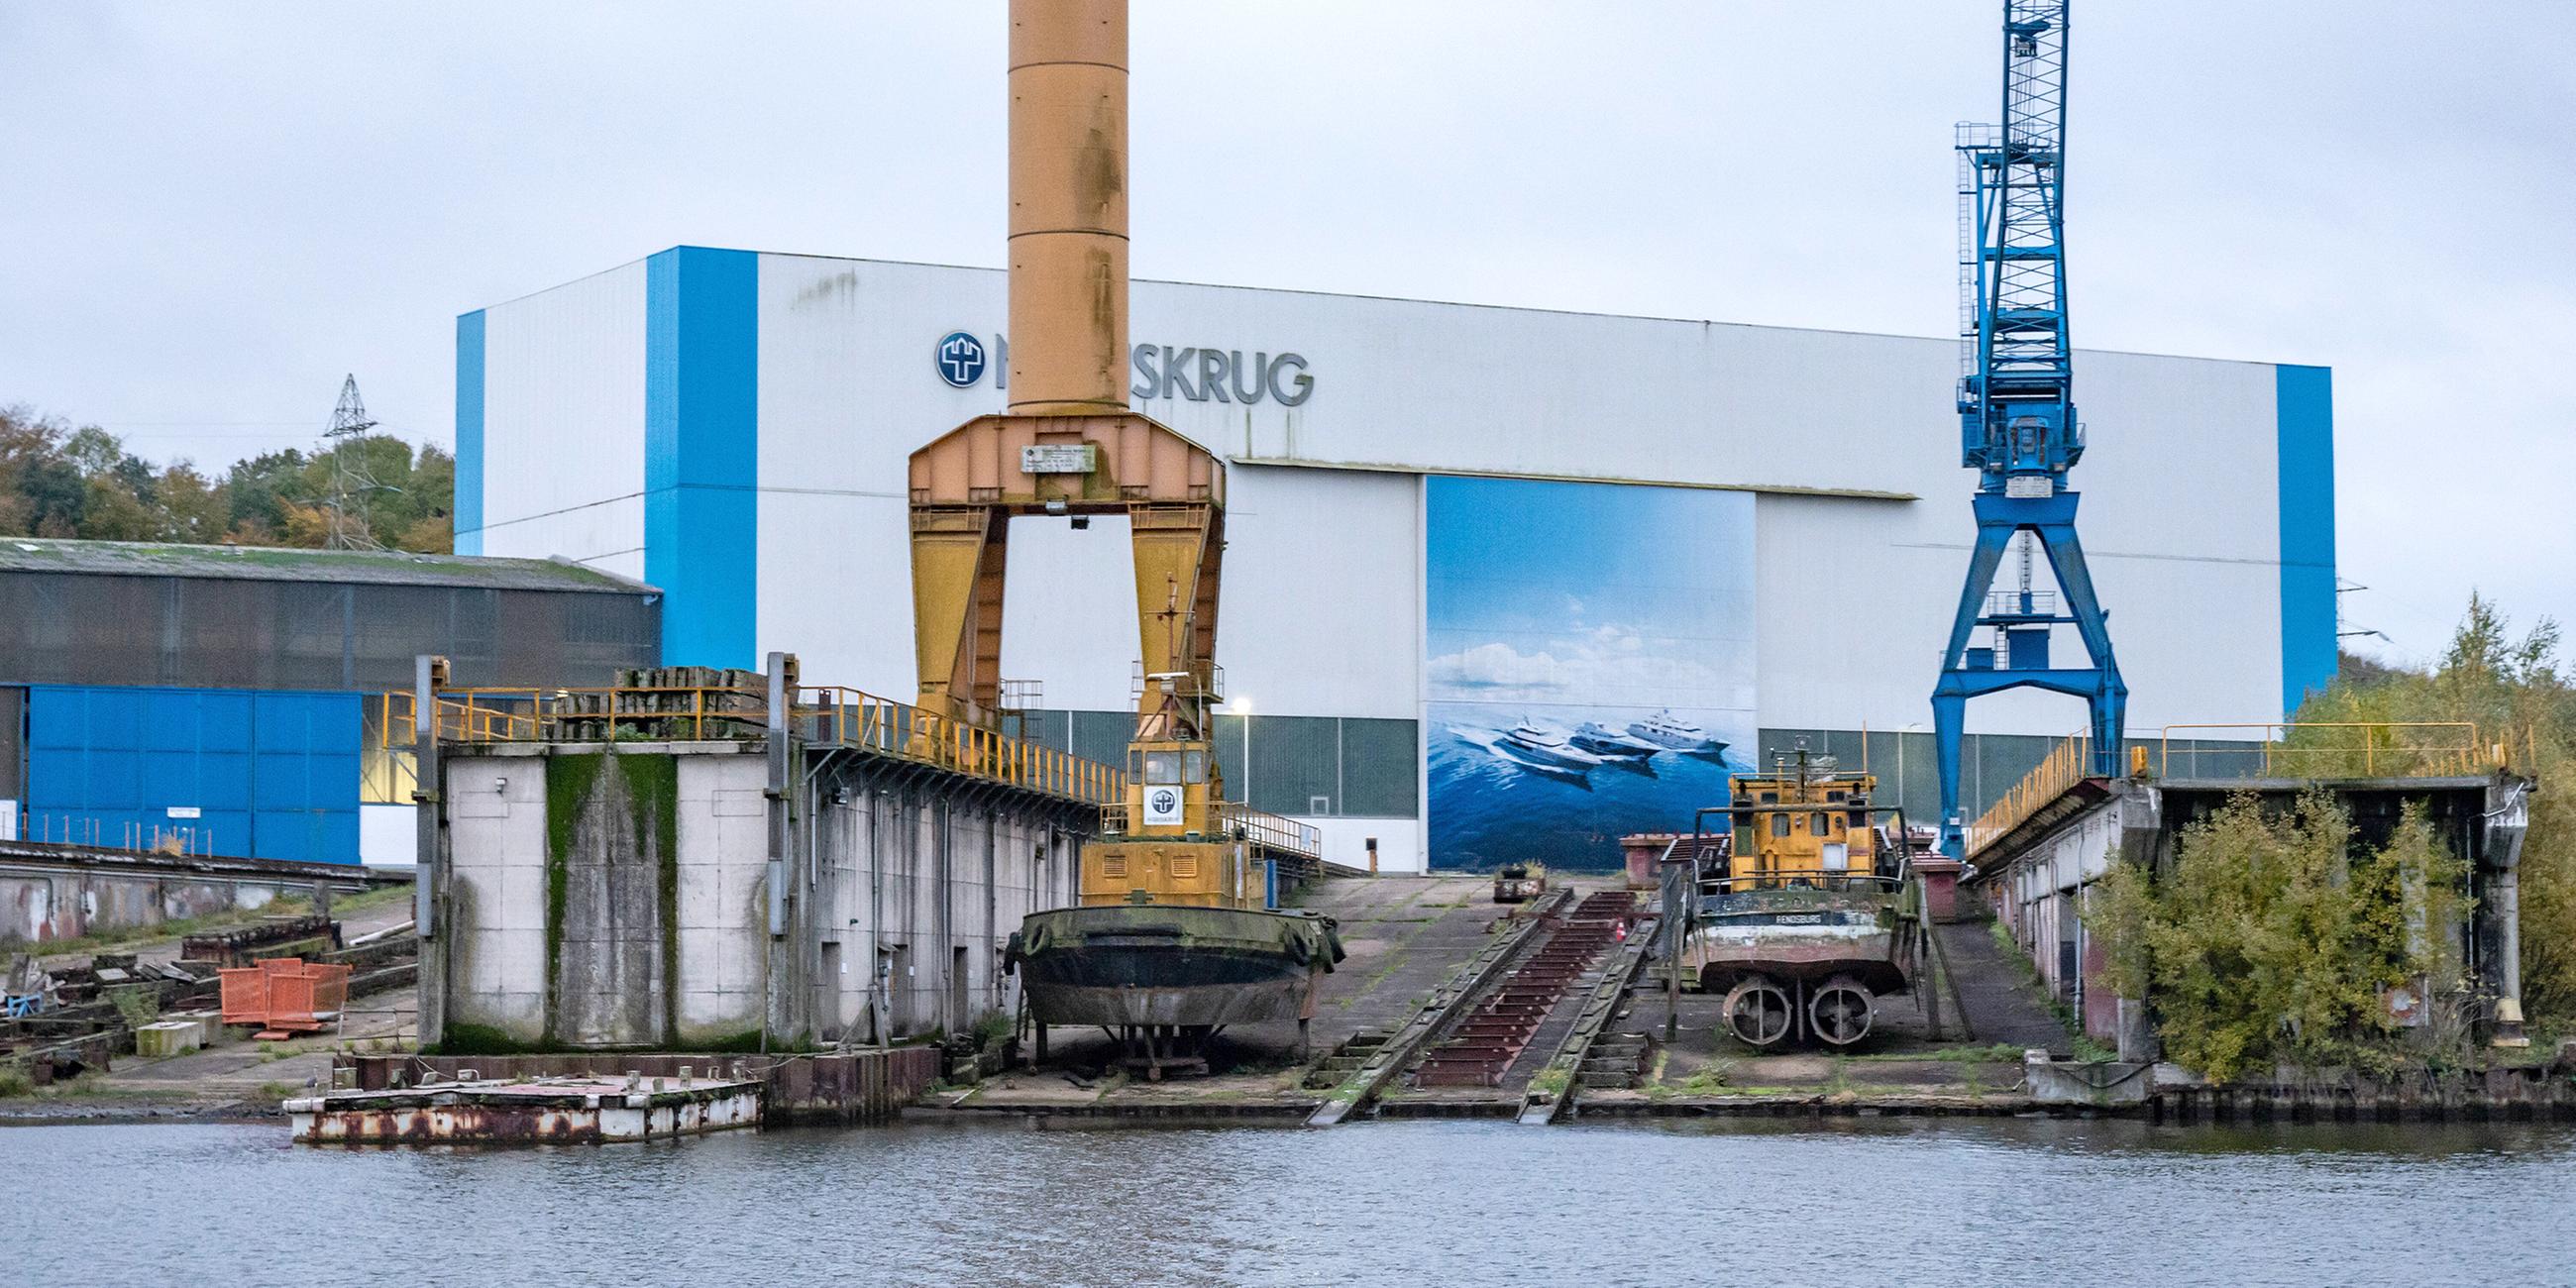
(1267, 831)
(2066, 764)
(2246, 752)
(851, 718)
(2297, 749)
(830, 714)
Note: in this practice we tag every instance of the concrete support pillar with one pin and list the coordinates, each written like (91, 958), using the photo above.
(429, 848)
(2508, 818)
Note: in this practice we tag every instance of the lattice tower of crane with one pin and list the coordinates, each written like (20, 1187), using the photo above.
(2018, 425)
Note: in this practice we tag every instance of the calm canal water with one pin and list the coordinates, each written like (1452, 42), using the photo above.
(1862, 1203)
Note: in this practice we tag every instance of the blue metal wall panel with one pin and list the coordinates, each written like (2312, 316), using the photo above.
(469, 434)
(271, 775)
(2304, 408)
(702, 450)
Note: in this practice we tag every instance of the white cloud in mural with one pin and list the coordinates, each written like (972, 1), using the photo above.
(1497, 666)
(1611, 665)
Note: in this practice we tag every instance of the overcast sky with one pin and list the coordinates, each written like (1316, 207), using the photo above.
(214, 210)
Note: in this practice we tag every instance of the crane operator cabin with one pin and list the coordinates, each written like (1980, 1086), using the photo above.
(1501, 584)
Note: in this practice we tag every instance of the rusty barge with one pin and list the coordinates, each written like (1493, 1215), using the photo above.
(559, 1110)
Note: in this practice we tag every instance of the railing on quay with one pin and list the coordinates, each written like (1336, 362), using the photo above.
(2325, 749)
(2250, 752)
(852, 718)
(823, 713)
(2066, 764)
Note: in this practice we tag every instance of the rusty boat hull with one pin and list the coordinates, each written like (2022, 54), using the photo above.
(1176, 966)
(1803, 935)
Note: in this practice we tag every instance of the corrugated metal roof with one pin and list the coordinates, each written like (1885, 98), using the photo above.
(264, 563)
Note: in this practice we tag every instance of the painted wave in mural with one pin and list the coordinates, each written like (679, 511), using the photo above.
(1561, 785)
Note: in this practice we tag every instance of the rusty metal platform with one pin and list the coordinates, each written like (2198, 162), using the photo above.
(574, 1110)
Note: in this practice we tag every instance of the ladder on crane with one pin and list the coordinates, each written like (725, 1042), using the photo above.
(2017, 418)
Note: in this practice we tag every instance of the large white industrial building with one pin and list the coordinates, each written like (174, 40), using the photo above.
(1778, 519)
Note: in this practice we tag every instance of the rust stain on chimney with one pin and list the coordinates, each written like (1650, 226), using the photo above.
(1068, 207)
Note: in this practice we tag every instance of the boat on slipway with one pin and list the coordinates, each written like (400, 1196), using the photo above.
(1803, 917)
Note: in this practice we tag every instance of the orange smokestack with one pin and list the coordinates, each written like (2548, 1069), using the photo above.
(1068, 315)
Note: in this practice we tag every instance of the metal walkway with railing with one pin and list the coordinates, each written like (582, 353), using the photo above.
(829, 716)
(2250, 753)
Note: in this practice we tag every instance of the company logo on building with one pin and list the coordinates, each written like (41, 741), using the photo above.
(1159, 371)
(961, 359)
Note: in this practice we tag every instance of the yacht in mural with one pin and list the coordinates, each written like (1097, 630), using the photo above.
(1673, 733)
(1602, 740)
(1531, 741)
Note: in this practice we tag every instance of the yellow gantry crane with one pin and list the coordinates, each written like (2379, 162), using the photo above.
(1170, 939)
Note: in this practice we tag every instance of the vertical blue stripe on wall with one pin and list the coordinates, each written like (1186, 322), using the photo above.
(467, 512)
(2305, 403)
(702, 450)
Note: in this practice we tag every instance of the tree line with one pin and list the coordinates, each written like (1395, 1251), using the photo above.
(60, 481)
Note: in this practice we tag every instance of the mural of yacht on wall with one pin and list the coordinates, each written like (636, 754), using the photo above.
(1673, 733)
(1604, 741)
(1546, 744)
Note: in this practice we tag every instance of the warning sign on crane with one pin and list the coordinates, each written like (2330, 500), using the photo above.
(1058, 458)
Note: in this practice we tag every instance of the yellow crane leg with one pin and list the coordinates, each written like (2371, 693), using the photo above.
(959, 556)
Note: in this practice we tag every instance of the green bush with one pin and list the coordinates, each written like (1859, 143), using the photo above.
(2511, 688)
(2273, 938)
(992, 1029)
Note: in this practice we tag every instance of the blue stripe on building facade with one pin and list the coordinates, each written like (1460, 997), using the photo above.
(702, 451)
(468, 514)
(2305, 410)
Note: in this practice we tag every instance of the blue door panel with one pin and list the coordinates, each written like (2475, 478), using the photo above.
(270, 775)
(226, 722)
(115, 779)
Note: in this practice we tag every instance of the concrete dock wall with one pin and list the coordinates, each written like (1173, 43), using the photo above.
(54, 892)
(2040, 899)
(917, 894)
(619, 895)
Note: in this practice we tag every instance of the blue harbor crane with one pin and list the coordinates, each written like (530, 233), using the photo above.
(2017, 421)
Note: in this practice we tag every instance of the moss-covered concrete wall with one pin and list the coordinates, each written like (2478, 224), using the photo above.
(612, 857)
(608, 896)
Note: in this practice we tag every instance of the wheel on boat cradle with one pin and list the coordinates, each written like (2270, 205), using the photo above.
(1839, 1012)
(1757, 1011)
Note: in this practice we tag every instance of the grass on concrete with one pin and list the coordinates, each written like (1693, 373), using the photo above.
(2082, 1044)
(1992, 1053)
(230, 919)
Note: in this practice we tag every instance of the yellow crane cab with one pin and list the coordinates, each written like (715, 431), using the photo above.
(1167, 842)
